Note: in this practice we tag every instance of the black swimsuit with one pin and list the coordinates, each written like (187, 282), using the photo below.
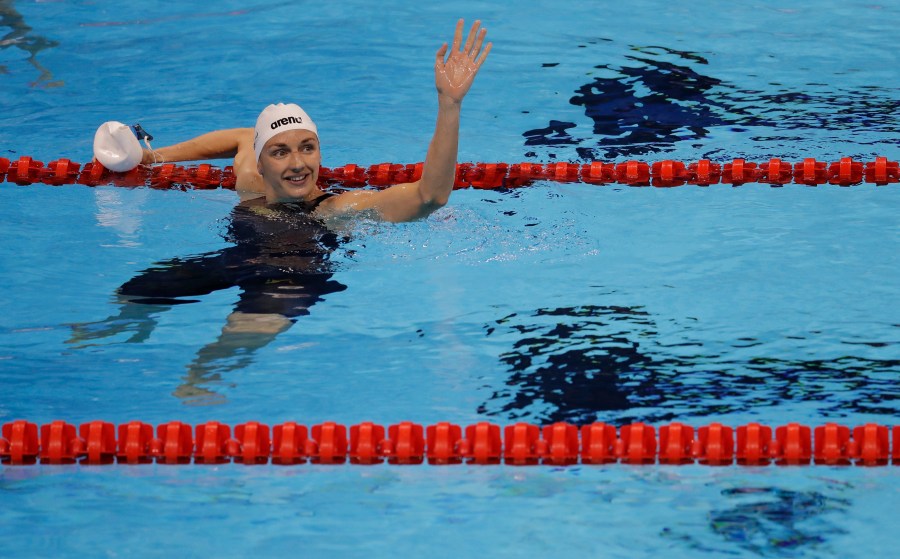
(280, 260)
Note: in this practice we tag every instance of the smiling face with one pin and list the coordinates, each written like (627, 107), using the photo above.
(289, 164)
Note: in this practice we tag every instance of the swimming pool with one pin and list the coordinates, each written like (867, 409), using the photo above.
(553, 302)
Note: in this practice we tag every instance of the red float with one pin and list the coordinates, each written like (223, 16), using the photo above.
(487, 176)
(291, 444)
(896, 451)
(633, 173)
(213, 441)
(882, 172)
(637, 444)
(704, 173)
(598, 444)
(793, 445)
(384, 175)
(846, 172)
(520, 174)
(253, 443)
(560, 444)
(521, 444)
(871, 444)
(443, 443)
(753, 442)
(407, 443)
(99, 439)
(25, 171)
(776, 172)
(676, 442)
(563, 172)
(95, 174)
(366, 443)
(715, 445)
(811, 172)
(100, 443)
(135, 445)
(174, 444)
(667, 173)
(832, 445)
(21, 444)
(59, 443)
(740, 172)
(482, 444)
(331, 443)
(60, 172)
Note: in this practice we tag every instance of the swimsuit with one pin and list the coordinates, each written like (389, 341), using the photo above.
(279, 259)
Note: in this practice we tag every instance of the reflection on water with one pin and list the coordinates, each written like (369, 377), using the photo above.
(661, 97)
(768, 522)
(604, 363)
(20, 36)
(776, 522)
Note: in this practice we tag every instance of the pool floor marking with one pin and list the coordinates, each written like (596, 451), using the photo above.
(484, 443)
(668, 173)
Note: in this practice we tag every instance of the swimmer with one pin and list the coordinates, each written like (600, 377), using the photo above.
(280, 243)
(281, 157)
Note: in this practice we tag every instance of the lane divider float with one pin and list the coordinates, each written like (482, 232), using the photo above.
(444, 443)
(665, 174)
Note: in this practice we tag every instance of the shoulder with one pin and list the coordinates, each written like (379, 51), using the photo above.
(252, 207)
(401, 202)
(248, 178)
(348, 202)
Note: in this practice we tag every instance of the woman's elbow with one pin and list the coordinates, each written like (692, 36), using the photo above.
(438, 202)
(434, 197)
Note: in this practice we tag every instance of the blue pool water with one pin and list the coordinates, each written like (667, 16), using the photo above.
(552, 302)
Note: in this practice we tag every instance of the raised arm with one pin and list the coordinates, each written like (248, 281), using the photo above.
(453, 74)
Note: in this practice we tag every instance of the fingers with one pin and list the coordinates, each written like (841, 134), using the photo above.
(477, 47)
(473, 45)
(457, 36)
(471, 38)
(439, 58)
(483, 56)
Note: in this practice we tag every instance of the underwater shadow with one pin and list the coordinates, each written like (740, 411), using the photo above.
(661, 97)
(605, 363)
(21, 36)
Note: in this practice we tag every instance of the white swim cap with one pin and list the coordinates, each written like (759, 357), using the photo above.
(116, 147)
(278, 118)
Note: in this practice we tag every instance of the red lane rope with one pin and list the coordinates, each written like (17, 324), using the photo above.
(668, 173)
(793, 444)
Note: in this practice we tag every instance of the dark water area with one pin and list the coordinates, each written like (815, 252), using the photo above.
(591, 363)
(769, 522)
(661, 97)
(602, 363)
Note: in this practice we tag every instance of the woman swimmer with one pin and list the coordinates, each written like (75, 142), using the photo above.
(280, 158)
(279, 246)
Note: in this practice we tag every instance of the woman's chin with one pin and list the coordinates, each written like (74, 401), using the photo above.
(287, 190)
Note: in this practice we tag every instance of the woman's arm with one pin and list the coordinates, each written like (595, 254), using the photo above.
(221, 144)
(410, 201)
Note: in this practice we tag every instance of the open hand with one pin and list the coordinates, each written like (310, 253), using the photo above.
(453, 76)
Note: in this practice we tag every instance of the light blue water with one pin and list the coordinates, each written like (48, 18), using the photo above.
(551, 302)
